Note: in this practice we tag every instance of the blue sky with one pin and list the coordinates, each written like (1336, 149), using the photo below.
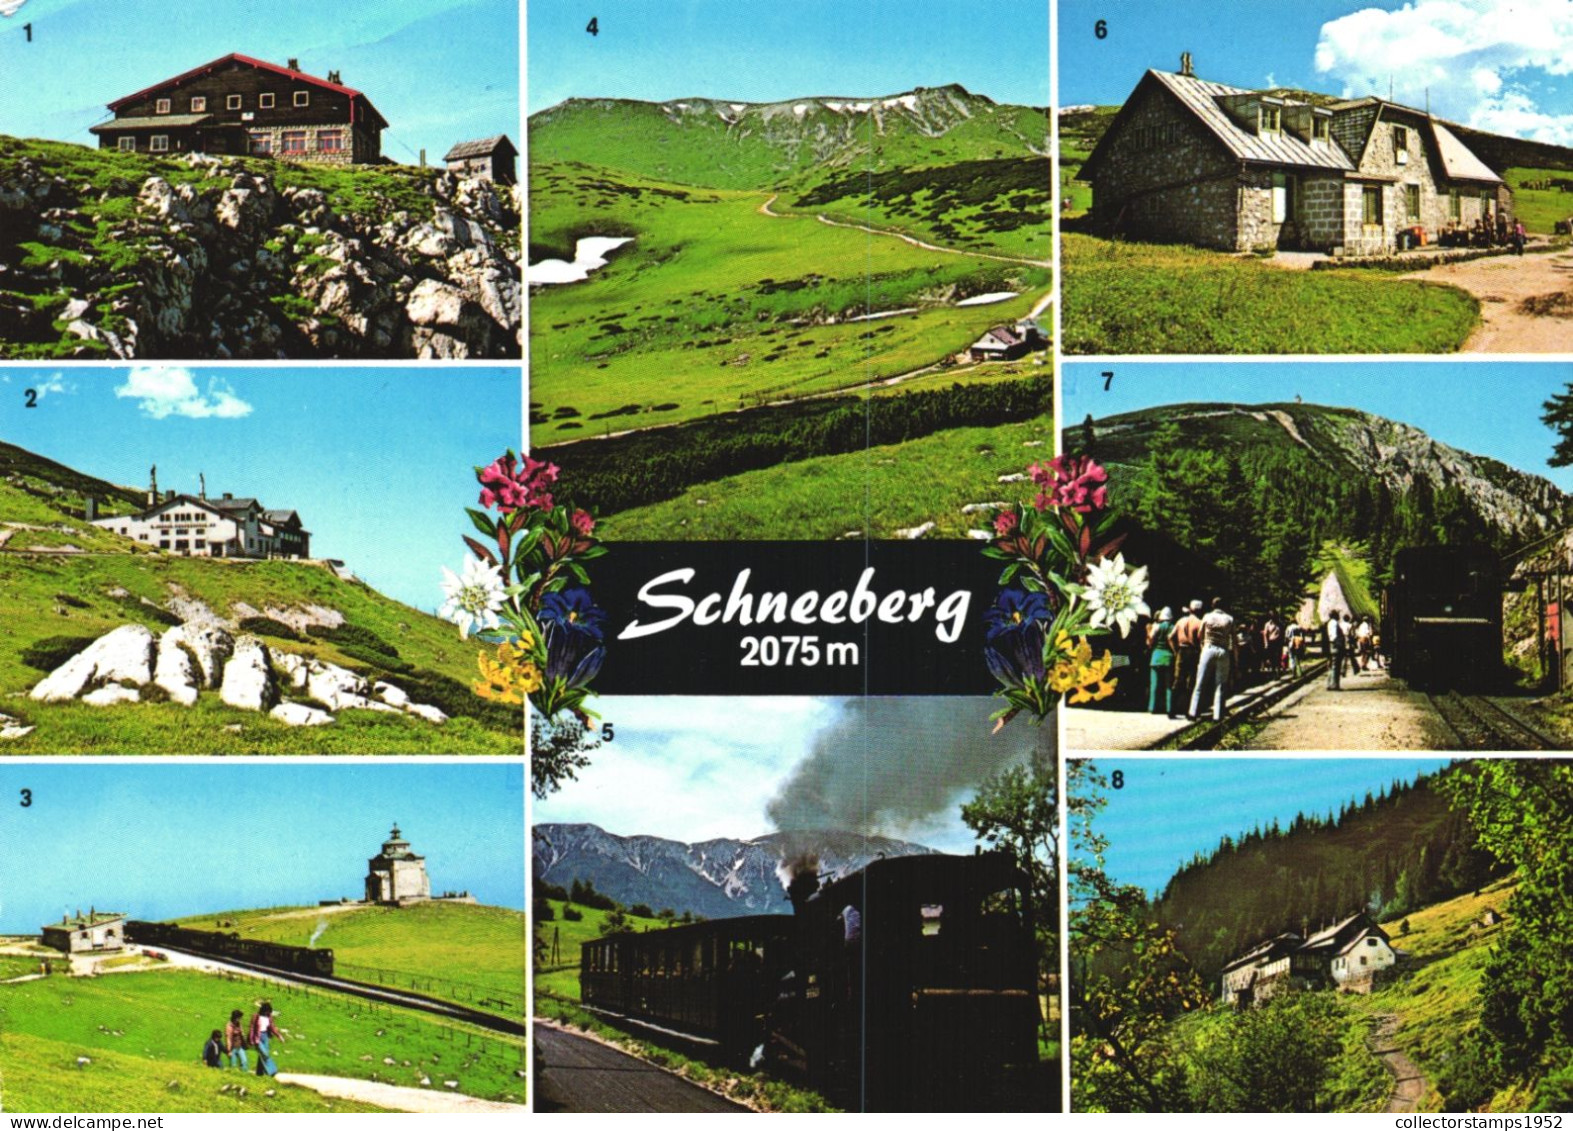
(1155, 823)
(760, 51)
(715, 763)
(379, 462)
(160, 841)
(440, 71)
(1487, 408)
(1500, 65)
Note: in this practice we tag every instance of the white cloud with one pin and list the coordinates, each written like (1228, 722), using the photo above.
(54, 383)
(1473, 61)
(9, 8)
(172, 391)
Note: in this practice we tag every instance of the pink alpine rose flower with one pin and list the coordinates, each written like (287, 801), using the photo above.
(1077, 482)
(583, 522)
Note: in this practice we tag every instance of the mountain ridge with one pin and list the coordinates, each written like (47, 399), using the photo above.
(719, 878)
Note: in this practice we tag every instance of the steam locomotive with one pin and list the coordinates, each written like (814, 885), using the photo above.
(1442, 615)
(907, 986)
(228, 944)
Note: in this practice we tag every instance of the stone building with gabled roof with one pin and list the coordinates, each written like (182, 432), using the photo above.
(237, 104)
(1191, 161)
(488, 158)
(396, 875)
(95, 931)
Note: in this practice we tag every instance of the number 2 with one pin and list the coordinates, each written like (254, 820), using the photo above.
(32, 398)
(594, 26)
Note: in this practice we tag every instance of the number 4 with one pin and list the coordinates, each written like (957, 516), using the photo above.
(594, 26)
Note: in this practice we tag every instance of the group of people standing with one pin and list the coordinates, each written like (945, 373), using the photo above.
(1195, 660)
(229, 1044)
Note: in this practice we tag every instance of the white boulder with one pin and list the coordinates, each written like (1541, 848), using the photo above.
(124, 656)
(389, 694)
(429, 713)
(300, 715)
(211, 645)
(174, 671)
(110, 694)
(248, 677)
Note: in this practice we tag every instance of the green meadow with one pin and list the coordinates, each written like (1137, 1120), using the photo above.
(1540, 208)
(716, 306)
(466, 953)
(57, 603)
(1132, 298)
(132, 1042)
(870, 493)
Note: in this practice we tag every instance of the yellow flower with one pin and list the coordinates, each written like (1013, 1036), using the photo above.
(1071, 668)
(508, 678)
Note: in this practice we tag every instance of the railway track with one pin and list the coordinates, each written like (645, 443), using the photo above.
(406, 998)
(1482, 723)
(1210, 734)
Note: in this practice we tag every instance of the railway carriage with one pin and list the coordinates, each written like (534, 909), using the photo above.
(1442, 616)
(228, 944)
(928, 1001)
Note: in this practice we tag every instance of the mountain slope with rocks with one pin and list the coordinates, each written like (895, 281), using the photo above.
(723, 144)
(107, 646)
(1393, 459)
(115, 255)
(717, 878)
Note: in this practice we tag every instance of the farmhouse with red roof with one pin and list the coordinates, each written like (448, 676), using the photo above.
(238, 104)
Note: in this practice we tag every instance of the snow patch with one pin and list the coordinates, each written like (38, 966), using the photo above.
(589, 255)
(800, 109)
(985, 300)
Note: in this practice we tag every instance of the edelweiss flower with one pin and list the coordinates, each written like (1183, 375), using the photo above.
(473, 597)
(1115, 594)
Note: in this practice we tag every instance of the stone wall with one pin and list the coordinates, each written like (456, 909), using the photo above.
(1321, 212)
(359, 148)
(1163, 176)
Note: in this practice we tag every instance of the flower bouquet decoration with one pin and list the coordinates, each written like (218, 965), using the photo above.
(1064, 582)
(523, 591)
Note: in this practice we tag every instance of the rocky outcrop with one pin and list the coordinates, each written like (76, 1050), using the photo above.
(122, 656)
(245, 258)
(192, 657)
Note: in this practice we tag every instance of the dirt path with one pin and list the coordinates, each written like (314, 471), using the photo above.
(1370, 713)
(1502, 283)
(395, 1098)
(1408, 1083)
(766, 210)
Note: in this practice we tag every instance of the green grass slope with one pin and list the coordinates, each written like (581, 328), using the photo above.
(140, 1035)
(716, 305)
(874, 492)
(1540, 208)
(1437, 997)
(1125, 298)
(560, 979)
(468, 953)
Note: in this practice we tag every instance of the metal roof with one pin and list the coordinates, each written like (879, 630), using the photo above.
(481, 147)
(1458, 162)
(260, 64)
(1201, 99)
(167, 121)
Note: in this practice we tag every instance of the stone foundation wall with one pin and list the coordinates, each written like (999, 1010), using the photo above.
(358, 147)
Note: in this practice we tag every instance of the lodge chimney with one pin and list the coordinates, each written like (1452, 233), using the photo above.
(333, 76)
(294, 64)
(1185, 65)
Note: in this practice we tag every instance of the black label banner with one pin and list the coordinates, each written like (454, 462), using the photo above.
(794, 618)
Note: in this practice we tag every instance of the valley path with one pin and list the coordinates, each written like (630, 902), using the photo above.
(1408, 1084)
(393, 1097)
(1501, 283)
(765, 210)
(578, 1073)
(1370, 713)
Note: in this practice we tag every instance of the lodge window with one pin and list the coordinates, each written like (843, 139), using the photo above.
(232, 102)
(199, 104)
(159, 143)
(1321, 129)
(1454, 208)
(1283, 197)
(1371, 200)
(128, 144)
(1412, 202)
(1401, 145)
(262, 143)
(303, 98)
(293, 141)
(1270, 120)
(265, 101)
(161, 106)
(331, 141)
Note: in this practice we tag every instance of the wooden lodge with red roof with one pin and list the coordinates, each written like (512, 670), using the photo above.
(242, 105)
